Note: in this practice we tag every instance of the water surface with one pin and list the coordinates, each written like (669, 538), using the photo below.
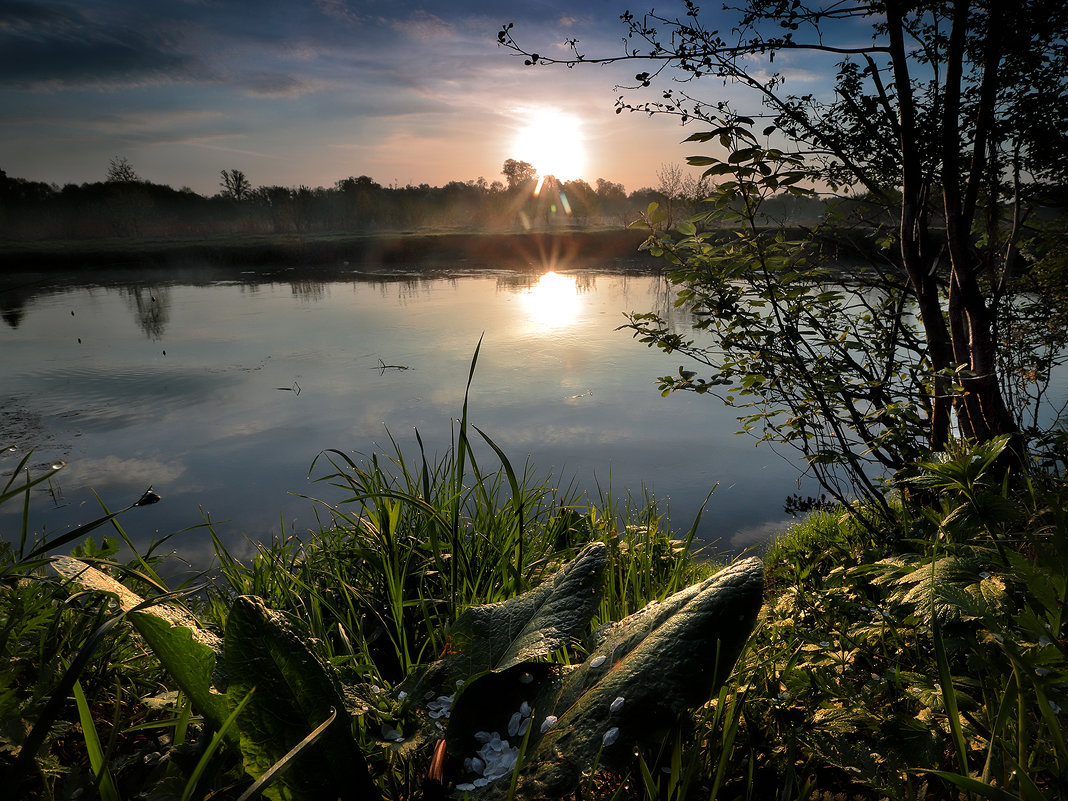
(220, 393)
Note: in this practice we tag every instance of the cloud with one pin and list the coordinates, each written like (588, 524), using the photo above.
(277, 84)
(57, 45)
(339, 11)
(424, 26)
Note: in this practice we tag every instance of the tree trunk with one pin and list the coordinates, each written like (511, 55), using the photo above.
(918, 264)
(981, 409)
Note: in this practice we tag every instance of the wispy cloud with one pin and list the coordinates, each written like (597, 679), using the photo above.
(57, 45)
(277, 84)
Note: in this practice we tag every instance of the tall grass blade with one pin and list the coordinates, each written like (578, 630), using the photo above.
(949, 696)
(278, 769)
(970, 785)
(97, 761)
(60, 692)
(148, 497)
(217, 740)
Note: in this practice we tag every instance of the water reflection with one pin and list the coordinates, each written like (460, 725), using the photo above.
(152, 308)
(209, 428)
(553, 302)
(307, 290)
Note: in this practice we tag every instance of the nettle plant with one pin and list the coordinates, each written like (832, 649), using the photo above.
(504, 711)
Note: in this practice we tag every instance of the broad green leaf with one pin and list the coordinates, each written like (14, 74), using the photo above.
(295, 691)
(642, 674)
(536, 623)
(187, 651)
(661, 666)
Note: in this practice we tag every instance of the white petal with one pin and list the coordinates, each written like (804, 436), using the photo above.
(513, 724)
(610, 736)
(616, 705)
(597, 661)
(548, 723)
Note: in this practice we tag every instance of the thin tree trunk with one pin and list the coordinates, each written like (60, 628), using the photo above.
(981, 409)
(913, 229)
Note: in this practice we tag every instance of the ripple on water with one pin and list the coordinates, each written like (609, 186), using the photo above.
(108, 397)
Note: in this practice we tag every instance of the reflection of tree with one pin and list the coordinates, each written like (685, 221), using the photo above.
(13, 306)
(152, 306)
(308, 290)
(515, 282)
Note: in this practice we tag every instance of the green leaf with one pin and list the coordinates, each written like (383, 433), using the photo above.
(97, 759)
(187, 651)
(970, 785)
(658, 663)
(536, 623)
(295, 692)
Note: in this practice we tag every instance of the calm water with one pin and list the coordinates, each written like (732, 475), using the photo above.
(220, 394)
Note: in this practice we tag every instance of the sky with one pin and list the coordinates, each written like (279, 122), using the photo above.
(295, 92)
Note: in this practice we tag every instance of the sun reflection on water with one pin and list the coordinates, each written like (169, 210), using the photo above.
(553, 302)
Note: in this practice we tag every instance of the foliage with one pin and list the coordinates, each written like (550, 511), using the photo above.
(925, 120)
(925, 659)
(928, 660)
(364, 588)
(36, 212)
(814, 359)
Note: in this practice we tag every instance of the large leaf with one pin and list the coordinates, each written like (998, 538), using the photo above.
(536, 623)
(646, 671)
(187, 651)
(294, 692)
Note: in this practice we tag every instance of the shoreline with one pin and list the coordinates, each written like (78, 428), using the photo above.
(538, 249)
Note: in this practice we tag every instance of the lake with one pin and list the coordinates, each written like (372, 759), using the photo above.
(219, 390)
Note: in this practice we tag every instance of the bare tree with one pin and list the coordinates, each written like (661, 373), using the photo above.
(235, 185)
(120, 171)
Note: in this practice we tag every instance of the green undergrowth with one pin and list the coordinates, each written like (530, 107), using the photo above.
(927, 660)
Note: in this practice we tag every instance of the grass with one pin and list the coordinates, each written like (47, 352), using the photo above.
(928, 660)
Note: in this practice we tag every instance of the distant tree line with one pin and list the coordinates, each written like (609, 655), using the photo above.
(125, 205)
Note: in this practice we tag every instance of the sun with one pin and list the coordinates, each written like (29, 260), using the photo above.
(552, 141)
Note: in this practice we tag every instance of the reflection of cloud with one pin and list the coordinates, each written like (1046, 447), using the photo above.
(760, 535)
(116, 470)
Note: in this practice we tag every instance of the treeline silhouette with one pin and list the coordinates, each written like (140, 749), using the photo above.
(124, 206)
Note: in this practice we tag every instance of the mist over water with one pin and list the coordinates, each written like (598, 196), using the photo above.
(221, 393)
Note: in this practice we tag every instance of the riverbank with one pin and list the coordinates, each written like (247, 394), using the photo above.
(922, 659)
(534, 249)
